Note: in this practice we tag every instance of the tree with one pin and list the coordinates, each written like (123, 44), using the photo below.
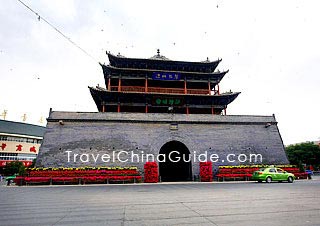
(15, 167)
(304, 153)
(33, 163)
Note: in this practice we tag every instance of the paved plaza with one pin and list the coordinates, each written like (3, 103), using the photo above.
(217, 203)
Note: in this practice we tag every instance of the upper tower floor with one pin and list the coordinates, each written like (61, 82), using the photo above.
(158, 74)
(160, 62)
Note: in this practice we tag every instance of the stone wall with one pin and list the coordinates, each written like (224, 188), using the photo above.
(108, 133)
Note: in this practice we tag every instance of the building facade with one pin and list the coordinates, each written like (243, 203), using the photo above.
(161, 108)
(19, 142)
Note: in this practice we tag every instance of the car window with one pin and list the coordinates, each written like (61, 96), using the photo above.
(280, 170)
(272, 170)
(262, 169)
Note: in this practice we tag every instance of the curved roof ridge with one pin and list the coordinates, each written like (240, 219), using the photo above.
(164, 58)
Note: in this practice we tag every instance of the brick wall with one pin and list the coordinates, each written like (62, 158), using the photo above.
(107, 133)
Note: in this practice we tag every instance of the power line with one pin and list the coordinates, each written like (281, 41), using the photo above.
(57, 30)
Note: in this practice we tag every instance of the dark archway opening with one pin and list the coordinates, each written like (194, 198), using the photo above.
(178, 167)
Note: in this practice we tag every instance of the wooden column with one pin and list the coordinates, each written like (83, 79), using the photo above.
(109, 83)
(103, 107)
(225, 111)
(187, 110)
(118, 107)
(119, 84)
(212, 110)
(209, 87)
(218, 89)
(146, 108)
(185, 85)
(146, 85)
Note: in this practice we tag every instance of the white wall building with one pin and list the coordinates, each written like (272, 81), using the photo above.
(19, 142)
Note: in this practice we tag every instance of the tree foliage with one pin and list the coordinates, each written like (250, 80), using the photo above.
(33, 163)
(304, 153)
(15, 167)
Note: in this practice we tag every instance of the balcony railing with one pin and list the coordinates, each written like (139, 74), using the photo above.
(198, 91)
(142, 89)
(165, 90)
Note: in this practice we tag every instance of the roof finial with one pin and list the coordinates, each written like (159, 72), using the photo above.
(158, 52)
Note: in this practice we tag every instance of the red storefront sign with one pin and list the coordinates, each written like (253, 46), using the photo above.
(18, 147)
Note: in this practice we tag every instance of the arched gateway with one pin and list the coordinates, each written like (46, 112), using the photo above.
(178, 166)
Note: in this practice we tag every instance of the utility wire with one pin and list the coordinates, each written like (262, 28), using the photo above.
(57, 30)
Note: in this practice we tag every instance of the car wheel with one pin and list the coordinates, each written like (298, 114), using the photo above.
(259, 181)
(290, 179)
(268, 179)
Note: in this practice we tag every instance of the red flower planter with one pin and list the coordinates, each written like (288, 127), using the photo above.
(206, 171)
(77, 176)
(151, 172)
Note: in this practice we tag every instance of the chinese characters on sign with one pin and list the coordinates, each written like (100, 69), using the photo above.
(3, 146)
(173, 126)
(33, 149)
(18, 147)
(167, 101)
(165, 76)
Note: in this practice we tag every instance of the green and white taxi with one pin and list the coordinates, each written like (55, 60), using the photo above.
(272, 174)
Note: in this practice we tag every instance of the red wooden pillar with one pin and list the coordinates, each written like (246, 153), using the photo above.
(218, 89)
(118, 107)
(146, 108)
(109, 83)
(103, 107)
(225, 111)
(185, 85)
(209, 87)
(212, 110)
(187, 110)
(146, 85)
(119, 85)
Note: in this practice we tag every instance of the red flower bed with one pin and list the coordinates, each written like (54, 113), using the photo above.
(77, 173)
(19, 180)
(246, 171)
(151, 172)
(206, 171)
(301, 175)
(64, 179)
(77, 176)
(234, 175)
(238, 170)
(291, 169)
(37, 179)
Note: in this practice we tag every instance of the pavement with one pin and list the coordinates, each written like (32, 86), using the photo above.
(193, 203)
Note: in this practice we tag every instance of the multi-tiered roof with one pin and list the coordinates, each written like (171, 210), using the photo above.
(160, 85)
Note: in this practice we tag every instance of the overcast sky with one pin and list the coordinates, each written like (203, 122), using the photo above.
(272, 49)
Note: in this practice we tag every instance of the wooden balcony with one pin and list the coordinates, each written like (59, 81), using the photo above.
(142, 89)
(198, 91)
